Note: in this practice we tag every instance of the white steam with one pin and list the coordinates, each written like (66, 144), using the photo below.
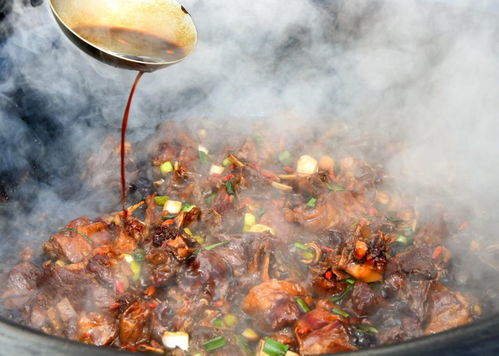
(423, 71)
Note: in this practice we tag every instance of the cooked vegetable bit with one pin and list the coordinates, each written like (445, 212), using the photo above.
(161, 200)
(215, 343)
(172, 340)
(307, 165)
(302, 305)
(166, 167)
(173, 207)
(274, 348)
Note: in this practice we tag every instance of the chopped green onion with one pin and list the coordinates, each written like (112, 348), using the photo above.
(258, 138)
(402, 239)
(226, 162)
(139, 255)
(89, 240)
(166, 168)
(367, 329)
(199, 239)
(340, 297)
(350, 281)
(215, 343)
(229, 186)
(230, 320)
(214, 246)
(168, 217)
(249, 221)
(285, 158)
(136, 268)
(203, 156)
(335, 188)
(250, 334)
(311, 202)
(218, 323)
(301, 246)
(274, 348)
(302, 305)
(341, 312)
(186, 207)
(161, 200)
(309, 255)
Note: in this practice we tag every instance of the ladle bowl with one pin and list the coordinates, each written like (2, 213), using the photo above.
(142, 35)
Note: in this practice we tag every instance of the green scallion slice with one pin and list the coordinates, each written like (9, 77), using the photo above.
(139, 255)
(166, 168)
(218, 323)
(161, 200)
(285, 158)
(350, 281)
(367, 329)
(203, 156)
(311, 203)
(302, 305)
(215, 343)
(274, 348)
(341, 312)
(229, 186)
(340, 297)
(186, 207)
(214, 246)
(335, 188)
(136, 268)
(402, 239)
(301, 246)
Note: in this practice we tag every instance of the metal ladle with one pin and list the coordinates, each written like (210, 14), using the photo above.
(142, 35)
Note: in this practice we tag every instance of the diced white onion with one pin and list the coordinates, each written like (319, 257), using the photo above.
(282, 187)
(172, 340)
(203, 149)
(173, 206)
(216, 170)
(307, 165)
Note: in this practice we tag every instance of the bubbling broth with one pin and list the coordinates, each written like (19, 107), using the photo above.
(131, 44)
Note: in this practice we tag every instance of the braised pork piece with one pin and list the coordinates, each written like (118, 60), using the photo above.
(247, 247)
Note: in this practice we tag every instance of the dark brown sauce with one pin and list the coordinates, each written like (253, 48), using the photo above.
(131, 44)
(124, 124)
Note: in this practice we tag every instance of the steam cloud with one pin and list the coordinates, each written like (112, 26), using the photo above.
(426, 72)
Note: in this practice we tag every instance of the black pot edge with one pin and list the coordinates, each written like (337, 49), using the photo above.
(478, 338)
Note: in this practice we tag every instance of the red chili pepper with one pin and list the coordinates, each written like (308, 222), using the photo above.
(115, 305)
(288, 169)
(437, 252)
(119, 287)
(150, 291)
(329, 275)
(268, 175)
(228, 177)
(152, 305)
(168, 222)
(219, 303)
